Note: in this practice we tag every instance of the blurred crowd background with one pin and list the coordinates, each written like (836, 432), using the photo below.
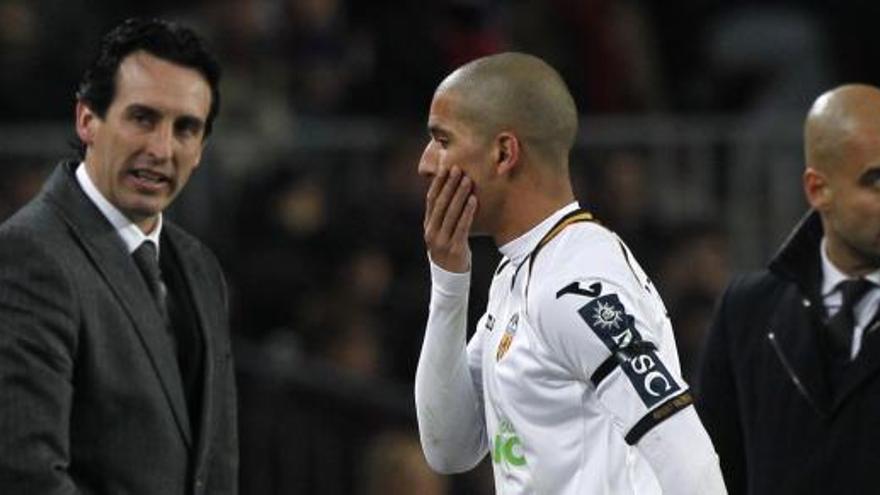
(689, 148)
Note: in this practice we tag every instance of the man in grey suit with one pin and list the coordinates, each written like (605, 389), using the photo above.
(115, 369)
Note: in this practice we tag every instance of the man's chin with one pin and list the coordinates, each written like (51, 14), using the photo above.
(477, 231)
(144, 205)
(143, 215)
(869, 258)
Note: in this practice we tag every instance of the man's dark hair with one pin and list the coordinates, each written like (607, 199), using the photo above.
(164, 39)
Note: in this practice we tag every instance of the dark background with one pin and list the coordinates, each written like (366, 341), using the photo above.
(689, 148)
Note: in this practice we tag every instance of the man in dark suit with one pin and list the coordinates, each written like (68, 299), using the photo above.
(789, 386)
(115, 367)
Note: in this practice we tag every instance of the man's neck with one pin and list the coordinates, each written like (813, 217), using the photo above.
(524, 212)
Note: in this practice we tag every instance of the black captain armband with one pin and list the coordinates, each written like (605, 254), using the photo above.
(620, 357)
(658, 416)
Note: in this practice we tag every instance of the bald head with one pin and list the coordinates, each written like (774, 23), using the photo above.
(842, 147)
(518, 93)
(838, 123)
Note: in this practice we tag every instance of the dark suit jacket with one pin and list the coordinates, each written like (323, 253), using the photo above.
(779, 423)
(91, 399)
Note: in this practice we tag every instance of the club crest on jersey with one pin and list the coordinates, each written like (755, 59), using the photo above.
(507, 338)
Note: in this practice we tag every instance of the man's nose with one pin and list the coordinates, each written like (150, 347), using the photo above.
(428, 162)
(160, 142)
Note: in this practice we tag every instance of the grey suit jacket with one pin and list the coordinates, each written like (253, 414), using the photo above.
(91, 399)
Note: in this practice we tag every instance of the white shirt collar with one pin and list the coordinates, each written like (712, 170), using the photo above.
(130, 233)
(832, 276)
(524, 244)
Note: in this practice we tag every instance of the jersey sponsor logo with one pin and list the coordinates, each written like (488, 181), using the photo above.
(507, 338)
(594, 290)
(650, 377)
(608, 319)
(507, 446)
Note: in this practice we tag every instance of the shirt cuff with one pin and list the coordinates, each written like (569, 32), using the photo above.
(448, 283)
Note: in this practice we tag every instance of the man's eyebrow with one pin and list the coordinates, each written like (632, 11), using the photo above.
(191, 121)
(140, 107)
(434, 129)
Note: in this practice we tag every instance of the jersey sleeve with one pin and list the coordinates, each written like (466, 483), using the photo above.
(449, 408)
(605, 336)
(602, 319)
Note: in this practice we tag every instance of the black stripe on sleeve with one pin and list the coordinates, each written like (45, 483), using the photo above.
(658, 415)
(620, 356)
(604, 370)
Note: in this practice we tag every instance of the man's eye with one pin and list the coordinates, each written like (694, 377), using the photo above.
(871, 179)
(187, 130)
(142, 118)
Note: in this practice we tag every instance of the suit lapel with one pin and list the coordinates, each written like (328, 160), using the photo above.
(800, 329)
(197, 279)
(797, 330)
(109, 256)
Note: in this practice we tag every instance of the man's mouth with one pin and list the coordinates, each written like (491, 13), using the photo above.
(149, 176)
(149, 182)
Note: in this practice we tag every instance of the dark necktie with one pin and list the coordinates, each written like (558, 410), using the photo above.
(841, 325)
(147, 260)
(184, 337)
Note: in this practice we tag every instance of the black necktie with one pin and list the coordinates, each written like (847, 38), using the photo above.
(184, 337)
(147, 260)
(841, 325)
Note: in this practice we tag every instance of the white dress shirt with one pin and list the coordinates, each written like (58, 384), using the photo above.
(130, 233)
(864, 310)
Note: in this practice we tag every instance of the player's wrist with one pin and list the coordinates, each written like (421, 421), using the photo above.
(447, 282)
(453, 263)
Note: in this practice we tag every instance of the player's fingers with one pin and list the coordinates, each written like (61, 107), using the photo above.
(463, 228)
(441, 202)
(456, 203)
(433, 190)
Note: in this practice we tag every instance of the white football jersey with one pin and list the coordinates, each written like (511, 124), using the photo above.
(573, 362)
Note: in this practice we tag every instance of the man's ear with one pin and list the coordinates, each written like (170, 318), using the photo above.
(506, 152)
(86, 121)
(817, 189)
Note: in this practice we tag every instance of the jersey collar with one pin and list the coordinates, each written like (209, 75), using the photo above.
(518, 249)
